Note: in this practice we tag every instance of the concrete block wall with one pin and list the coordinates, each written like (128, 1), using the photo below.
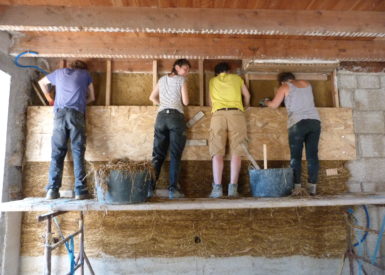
(365, 94)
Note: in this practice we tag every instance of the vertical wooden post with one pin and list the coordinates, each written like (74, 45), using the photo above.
(201, 82)
(63, 63)
(81, 248)
(108, 82)
(47, 247)
(154, 73)
(247, 80)
(335, 94)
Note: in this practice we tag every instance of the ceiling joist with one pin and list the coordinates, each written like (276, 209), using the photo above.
(193, 21)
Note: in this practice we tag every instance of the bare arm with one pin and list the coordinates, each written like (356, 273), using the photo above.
(280, 95)
(185, 98)
(246, 96)
(91, 93)
(44, 86)
(154, 97)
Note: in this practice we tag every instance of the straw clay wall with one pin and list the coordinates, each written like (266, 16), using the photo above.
(318, 232)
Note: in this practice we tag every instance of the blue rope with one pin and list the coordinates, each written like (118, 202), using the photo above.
(378, 242)
(363, 238)
(71, 254)
(16, 61)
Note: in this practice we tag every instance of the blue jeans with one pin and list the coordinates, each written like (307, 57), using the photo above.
(170, 134)
(306, 131)
(68, 124)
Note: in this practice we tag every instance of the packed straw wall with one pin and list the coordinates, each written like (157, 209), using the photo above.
(318, 232)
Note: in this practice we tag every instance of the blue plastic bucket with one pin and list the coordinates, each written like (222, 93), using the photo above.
(123, 187)
(271, 182)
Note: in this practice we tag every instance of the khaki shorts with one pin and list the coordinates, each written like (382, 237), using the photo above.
(231, 125)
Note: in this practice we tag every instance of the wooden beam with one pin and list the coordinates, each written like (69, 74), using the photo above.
(154, 73)
(117, 45)
(198, 21)
(108, 82)
(41, 204)
(201, 82)
(63, 63)
(273, 76)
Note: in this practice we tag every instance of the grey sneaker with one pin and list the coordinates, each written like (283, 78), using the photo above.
(312, 188)
(217, 191)
(52, 194)
(233, 190)
(175, 194)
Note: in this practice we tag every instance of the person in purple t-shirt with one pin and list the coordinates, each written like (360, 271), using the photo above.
(74, 90)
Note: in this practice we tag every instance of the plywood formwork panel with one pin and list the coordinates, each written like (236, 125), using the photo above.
(127, 131)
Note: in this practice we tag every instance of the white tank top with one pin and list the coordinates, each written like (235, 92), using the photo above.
(300, 104)
(170, 92)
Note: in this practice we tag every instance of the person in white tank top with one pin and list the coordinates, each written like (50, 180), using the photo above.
(304, 126)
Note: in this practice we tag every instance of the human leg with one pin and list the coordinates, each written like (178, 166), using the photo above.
(177, 128)
(76, 125)
(296, 140)
(311, 145)
(59, 139)
(217, 146)
(160, 147)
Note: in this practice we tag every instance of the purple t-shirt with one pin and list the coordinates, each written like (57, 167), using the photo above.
(71, 88)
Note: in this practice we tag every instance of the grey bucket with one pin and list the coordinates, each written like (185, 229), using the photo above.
(276, 182)
(124, 187)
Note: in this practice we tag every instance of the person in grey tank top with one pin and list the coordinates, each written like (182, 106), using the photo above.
(170, 94)
(304, 126)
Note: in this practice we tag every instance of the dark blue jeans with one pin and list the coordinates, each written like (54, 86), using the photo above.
(306, 131)
(170, 134)
(68, 124)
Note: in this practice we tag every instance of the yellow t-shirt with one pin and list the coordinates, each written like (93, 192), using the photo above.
(226, 91)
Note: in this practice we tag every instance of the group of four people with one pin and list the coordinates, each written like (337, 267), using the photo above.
(229, 98)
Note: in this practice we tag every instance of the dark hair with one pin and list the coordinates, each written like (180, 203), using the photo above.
(78, 64)
(180, 63)
(285, 76)
(221, 68)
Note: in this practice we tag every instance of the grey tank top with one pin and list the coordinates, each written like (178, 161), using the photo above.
(170, 92)
(300, 104)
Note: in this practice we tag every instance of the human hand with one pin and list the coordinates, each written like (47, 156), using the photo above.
(262, 102)
(51, 103)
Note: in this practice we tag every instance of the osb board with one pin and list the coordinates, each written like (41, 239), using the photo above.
(134, 89)
(316, 232)
(35, 176)
(127, 131)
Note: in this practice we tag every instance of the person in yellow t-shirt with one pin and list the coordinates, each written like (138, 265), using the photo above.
(227, 122)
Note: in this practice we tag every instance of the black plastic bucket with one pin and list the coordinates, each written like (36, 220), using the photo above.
(124, 187)
(271, 182)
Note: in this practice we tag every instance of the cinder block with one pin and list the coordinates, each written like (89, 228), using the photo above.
(369, 122)
(346, 98)
(372, 146)
(382, 78)
(369, 99)
(368, 81)
(367, 170)
(347, 81)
